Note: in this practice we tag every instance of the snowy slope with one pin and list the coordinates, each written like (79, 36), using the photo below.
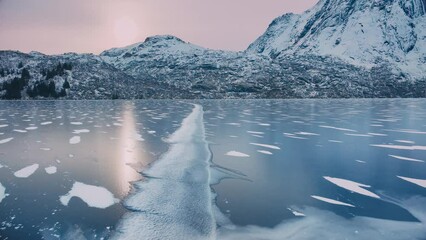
(362, 32)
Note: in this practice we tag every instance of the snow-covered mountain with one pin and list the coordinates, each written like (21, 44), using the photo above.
(337, 49)
(362, 32)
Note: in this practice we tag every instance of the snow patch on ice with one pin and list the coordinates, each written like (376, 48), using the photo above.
(2, 192)
(93, 196)
(332, 201)
(78, 131)
(406, 158)
(75, 140)
(400, 147)
(26, 171)
(6, 140)
(420, 182)
(352, 186)
(296, 213)
(266, 146)
(264, 152)
(50, 170)
(338, 128)
(236, 154)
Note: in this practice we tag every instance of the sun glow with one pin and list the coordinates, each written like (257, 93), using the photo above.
(125, 31)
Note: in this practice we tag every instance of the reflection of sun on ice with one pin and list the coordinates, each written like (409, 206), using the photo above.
(125, 31)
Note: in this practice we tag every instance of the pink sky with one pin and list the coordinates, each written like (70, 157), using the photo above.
(58, 26)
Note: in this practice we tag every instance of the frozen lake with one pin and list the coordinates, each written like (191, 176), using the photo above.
(225, 169)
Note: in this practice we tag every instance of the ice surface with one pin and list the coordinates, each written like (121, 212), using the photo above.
(236, 154)
(321, 224)
(93, 196)
(406, 158)
(50, 170)
(332, 201)
(352, 186)
(26, 171)
(75, 140)
(266, 146)
(175, 202)
(2, 192)
(6, 140)
(420, 182)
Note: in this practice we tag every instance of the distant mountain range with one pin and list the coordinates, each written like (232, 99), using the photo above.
(337, 49)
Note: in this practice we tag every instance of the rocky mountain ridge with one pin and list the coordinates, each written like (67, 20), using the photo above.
(337, 49)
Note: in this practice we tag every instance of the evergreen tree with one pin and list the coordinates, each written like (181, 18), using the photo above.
(25, 74)
(66, 85)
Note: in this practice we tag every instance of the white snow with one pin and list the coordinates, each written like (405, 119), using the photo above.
(338, 128)
(76, 123)
(26, 171)
(266, 146)
(296, 213)
(93, 196)
(138, 137)
(406, 158)
(75, 140)
(352, 186)
(420, 182)
(19, 130)
(256, 133)
(3, 125)
(78, 131)
(400, 147)
(357, 135)
(332, 201)
(405, 141)
(45, 123)
(31, 128)
(264, 152)
(6, 140)
(2, 192)
(307, 134)
(236, 154)
(50, 170)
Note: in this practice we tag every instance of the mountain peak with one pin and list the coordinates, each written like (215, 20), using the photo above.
(162, 38)
(362, 32)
